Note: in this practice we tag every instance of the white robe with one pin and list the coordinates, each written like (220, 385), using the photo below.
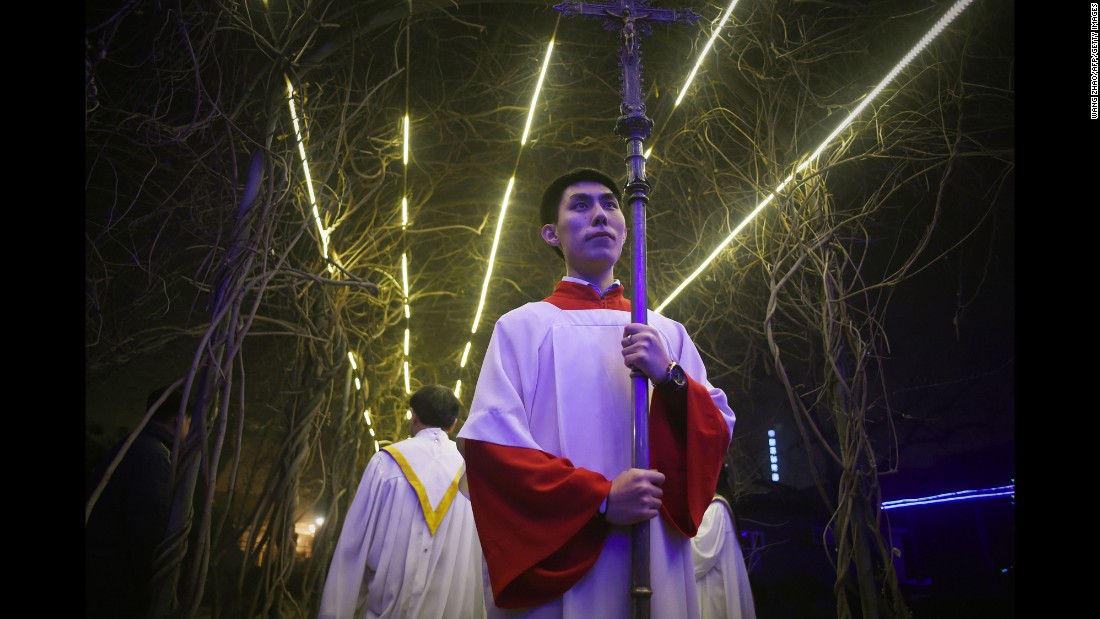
(550, 381)
(721, 575)
(387, 562)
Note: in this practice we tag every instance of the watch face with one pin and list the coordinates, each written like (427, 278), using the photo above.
(676, 375)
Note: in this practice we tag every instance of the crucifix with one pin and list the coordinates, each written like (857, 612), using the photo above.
(633, 19)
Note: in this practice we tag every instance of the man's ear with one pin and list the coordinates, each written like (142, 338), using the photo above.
(550, 235)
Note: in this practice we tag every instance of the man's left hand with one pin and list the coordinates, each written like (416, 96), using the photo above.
(644, 349)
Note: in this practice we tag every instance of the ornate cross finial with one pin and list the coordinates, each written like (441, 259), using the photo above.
(634, 19)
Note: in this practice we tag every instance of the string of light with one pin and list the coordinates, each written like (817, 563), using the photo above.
(405, 155)
(947, 497)
(932, 33)
(323, 233)
(695, 69)
(504, 208)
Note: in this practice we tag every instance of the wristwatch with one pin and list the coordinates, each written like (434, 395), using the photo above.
(675, 378)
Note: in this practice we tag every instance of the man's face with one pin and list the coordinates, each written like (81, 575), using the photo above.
(590, 230)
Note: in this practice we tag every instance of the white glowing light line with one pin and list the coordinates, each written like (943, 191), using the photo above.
(405, 146)
(465, 354)
(316, 214)
(405, 275)
(305, 168)
(962, 495)
(714, 254)
(458, 388)
(951, 14)
(493, 254)
(538, 88)
(405, 212)
(706, 48)
(504, 204)
(932, 33)
(698, 63)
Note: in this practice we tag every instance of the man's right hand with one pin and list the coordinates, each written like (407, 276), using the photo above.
(635, 496)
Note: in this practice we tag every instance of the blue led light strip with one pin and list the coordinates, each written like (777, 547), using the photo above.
(962, 495)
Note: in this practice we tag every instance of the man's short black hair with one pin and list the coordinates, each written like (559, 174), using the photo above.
(169, 409)
(551, 198)
(435, 406)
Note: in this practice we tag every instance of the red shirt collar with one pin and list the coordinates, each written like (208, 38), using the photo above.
(573, 296)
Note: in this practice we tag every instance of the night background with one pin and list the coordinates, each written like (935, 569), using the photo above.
(866, 314)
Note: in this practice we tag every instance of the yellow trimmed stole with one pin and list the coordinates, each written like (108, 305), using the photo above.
(433, 516)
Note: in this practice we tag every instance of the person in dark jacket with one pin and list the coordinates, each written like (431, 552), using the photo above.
(130, 517)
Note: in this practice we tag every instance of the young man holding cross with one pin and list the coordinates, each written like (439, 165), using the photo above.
(549, 440)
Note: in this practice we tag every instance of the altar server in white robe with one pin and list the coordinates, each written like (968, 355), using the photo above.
(549, 441)
(721, 576)
(409, 548)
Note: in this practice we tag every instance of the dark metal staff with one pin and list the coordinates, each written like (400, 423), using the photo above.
(633, 18)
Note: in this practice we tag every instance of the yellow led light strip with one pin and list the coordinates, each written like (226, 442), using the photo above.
(405, 148)
(324, 234)
(698, 62)
(932, 33)
(703, 54)
(538, 89)
(504, 206)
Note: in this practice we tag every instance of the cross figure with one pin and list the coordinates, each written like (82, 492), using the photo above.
(634, 18)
